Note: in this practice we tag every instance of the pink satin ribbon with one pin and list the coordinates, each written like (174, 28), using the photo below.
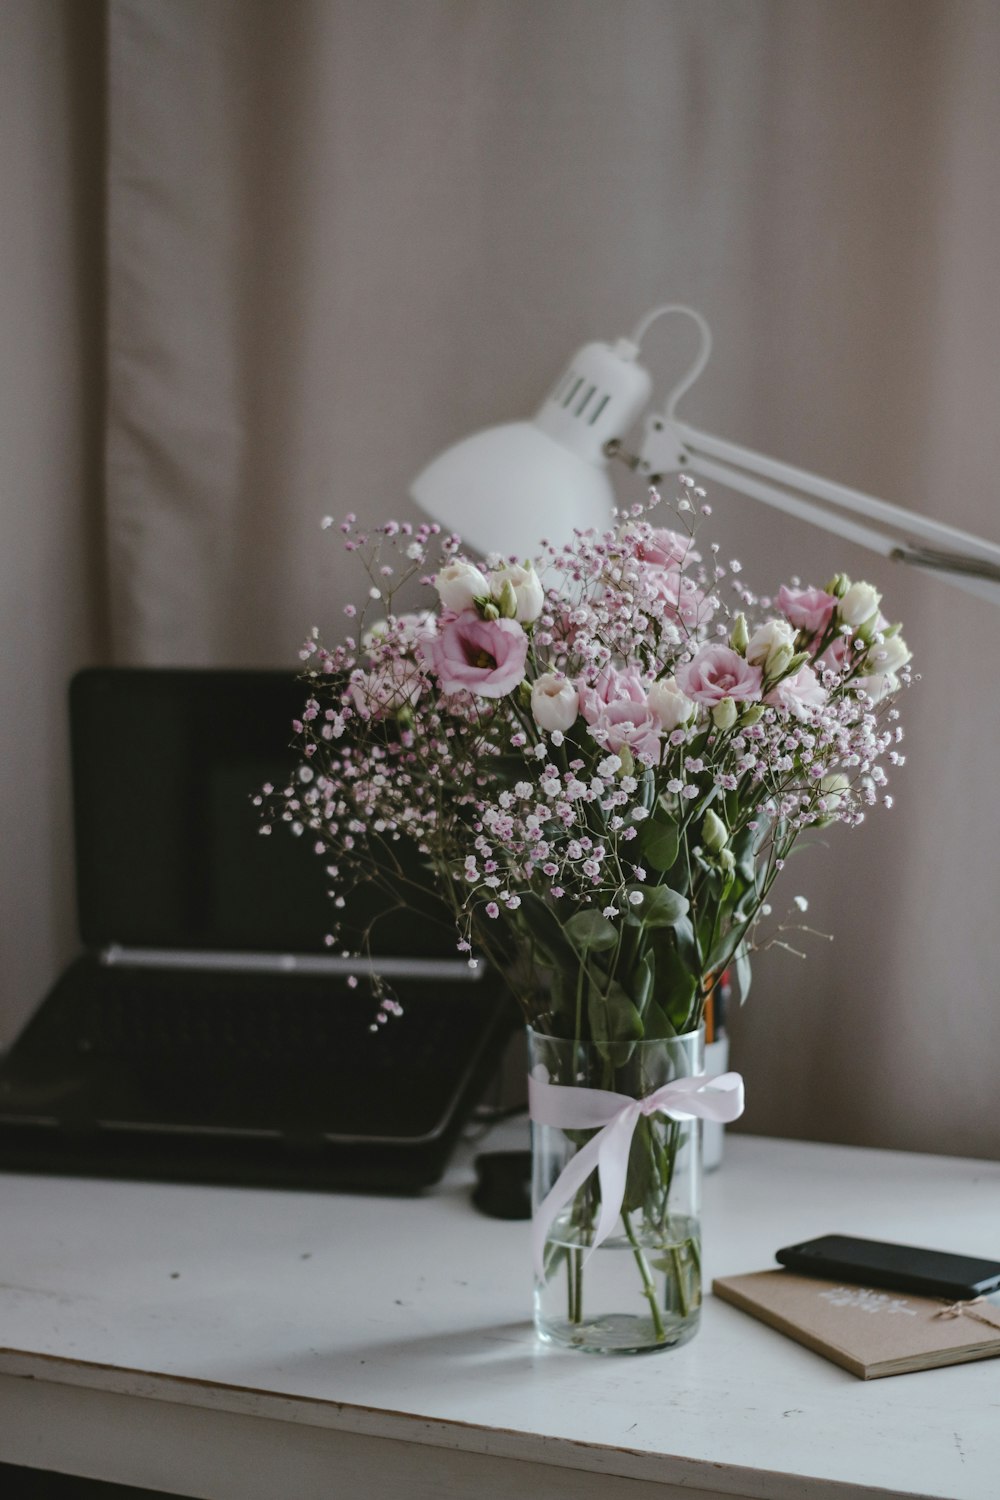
(709, 1096)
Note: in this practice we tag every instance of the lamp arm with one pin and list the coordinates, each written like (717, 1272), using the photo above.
(968, 561)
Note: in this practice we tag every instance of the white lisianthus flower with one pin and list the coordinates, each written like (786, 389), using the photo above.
(770, 643)
(669, 704)
(878, 685)
(460, 584)
(889, 656)
(395, 685)
(529, 595)
(858, 604)
(555, 702)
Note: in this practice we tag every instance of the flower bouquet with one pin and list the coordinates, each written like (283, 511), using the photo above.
(604, 767)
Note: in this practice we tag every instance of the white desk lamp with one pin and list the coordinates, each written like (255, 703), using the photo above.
(502, 489)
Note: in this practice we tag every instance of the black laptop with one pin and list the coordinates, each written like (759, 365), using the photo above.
(206, 1032)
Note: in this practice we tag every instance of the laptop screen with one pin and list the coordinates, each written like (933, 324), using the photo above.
(166, 762)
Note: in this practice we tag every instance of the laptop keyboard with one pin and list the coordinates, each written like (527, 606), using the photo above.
(142, 1014)
(178, 1049)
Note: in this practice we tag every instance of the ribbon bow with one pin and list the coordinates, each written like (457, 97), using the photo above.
(709, 1096)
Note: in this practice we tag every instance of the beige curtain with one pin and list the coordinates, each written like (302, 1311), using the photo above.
(341, 233)
(52, 587)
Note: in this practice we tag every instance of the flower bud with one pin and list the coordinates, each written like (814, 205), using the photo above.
(833, 790)
(739, 636)
(751, 715)
(714, 833)
(724, 714)
(627, 767)
(506, 600)
(838, 585)
(778, 662)
(489, 611)
(525, 585)
(767, 641)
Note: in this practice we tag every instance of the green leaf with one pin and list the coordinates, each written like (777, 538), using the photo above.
(588, 929)
(659, 907)
(676, 979)
(642, 983)
(546, 932)
(722, 954)
(642, 1167)
(659, 842)
(615, 1023)
(744, 847)
(687, 948)
(741, 960)
(656, 1024)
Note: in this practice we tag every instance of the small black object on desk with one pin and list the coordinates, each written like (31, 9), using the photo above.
(503, 1184)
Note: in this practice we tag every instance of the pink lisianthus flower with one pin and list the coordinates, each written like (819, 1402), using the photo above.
(472, 655)
(667, 549)
(676, 597)
(799, 691)
(718, 672)
(625, 722)
(807, 609)
(837, 656)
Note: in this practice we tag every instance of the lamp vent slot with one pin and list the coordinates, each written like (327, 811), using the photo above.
(577, 382)
(597, 410)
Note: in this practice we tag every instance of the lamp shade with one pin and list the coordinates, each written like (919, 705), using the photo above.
(505, 488)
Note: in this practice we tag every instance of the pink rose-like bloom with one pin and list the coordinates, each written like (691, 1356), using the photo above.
(668, 549)
(807, 609)
(625, 722)
(798, 692)
(472, 655)
(718, 672)
(612, 686)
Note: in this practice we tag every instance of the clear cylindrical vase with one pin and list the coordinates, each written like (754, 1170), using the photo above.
(639, 1290)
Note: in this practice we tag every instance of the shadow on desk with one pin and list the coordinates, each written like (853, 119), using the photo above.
(34, 1484)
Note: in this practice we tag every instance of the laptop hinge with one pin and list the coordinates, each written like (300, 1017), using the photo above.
(291, 963)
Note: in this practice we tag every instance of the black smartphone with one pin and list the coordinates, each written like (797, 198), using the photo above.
(900, 1268)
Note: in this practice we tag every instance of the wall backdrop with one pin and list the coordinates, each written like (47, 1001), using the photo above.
(342, 233)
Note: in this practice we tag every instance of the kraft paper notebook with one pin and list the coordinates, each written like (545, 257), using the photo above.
(871, 1333)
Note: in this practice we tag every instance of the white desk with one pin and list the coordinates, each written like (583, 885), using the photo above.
(246, 1345)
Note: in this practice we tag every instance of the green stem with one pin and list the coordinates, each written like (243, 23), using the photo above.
(570, 1287)
(648, 1288)
(675, 1256)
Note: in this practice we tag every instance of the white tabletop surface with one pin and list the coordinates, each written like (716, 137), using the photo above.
(408, 1319)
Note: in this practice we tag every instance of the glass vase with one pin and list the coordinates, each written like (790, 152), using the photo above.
(639, 1290)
